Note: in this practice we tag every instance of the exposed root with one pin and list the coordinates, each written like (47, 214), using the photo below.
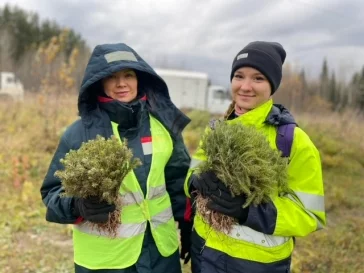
(216, 220)
(110, 228)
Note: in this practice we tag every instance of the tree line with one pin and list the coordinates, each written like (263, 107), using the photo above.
(35, 48)
(326, 93)
(28, 31)
(24, 34)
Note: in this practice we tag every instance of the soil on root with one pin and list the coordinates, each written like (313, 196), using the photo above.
(110, 228)
(216, 220)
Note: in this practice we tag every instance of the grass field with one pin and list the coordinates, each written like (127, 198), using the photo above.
(30, 131)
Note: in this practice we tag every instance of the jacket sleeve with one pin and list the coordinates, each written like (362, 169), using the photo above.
(175, 174)
(302, 211)
(58, 209)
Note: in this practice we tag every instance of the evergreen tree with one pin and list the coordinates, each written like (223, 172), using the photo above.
(333, 91)
(27, 32)
(303, 80)
(324, 80)
(360, 90)
(356, 90)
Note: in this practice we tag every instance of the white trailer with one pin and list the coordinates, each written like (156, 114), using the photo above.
(10, 86)
(192, 90)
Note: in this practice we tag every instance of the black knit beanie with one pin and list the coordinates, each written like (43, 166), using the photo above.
(267, 57)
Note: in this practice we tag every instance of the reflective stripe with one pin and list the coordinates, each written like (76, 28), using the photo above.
(249, 248)
(195, 162)
(120, 56)
(156, 192)
(162, 217)
(124, 230)
(136, 197)
(131, 198)
(311, 201)
(318, 222)
(294, 199)
(147, 148)
(319, 225)
(247, 234)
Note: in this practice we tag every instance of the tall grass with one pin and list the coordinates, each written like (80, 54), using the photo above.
(29, 133)
(340, 246)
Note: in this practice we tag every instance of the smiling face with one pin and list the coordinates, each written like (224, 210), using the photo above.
(121, 85)
(250, 88)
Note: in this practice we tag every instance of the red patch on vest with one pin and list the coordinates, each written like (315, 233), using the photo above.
(146, 139)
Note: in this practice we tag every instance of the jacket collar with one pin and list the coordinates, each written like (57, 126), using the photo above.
(267, 113)
(126, 115)
(256, 116)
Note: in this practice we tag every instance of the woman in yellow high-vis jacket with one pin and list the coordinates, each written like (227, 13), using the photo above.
(263, 239)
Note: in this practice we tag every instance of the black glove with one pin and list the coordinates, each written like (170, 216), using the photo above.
(185, 233)
(221, 199)
(206, 183)
(229, 205)
(91, 209)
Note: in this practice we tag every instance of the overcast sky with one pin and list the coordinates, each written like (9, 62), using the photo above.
(205, 35)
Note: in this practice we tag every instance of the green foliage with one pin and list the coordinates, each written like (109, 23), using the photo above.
(242, 158)
(335, 151)
(27, 31)
(97, 168)
(28, 243)
(199, 120)
(334, 92)
(324, 81)
(195, 129)
(358, 86)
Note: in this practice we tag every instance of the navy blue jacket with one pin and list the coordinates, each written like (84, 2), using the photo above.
(133, 123)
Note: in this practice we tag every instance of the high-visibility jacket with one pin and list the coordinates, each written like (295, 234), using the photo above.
(97, 251)
(266, 236)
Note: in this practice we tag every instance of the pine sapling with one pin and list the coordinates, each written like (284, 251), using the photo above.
(243, 160)
(96, 170)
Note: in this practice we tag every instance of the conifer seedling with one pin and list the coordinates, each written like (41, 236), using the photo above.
(97, 170)
(242, 158)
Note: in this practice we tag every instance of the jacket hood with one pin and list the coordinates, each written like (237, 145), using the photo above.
(279, 115)
(107, 59)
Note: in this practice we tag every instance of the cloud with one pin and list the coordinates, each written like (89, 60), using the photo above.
(205, 35)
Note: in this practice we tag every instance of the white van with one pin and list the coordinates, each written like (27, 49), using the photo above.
(11, 87)
(192, 90)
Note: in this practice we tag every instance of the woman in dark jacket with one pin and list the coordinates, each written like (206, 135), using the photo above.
(120, 87)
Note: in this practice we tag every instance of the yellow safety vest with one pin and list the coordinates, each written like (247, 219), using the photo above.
(97, 251)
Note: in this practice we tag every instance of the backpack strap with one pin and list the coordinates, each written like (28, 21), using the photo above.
(284, 138)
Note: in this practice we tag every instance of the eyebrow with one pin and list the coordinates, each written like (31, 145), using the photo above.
(254, 74)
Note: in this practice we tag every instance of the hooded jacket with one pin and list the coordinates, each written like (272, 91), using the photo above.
(95, 119)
